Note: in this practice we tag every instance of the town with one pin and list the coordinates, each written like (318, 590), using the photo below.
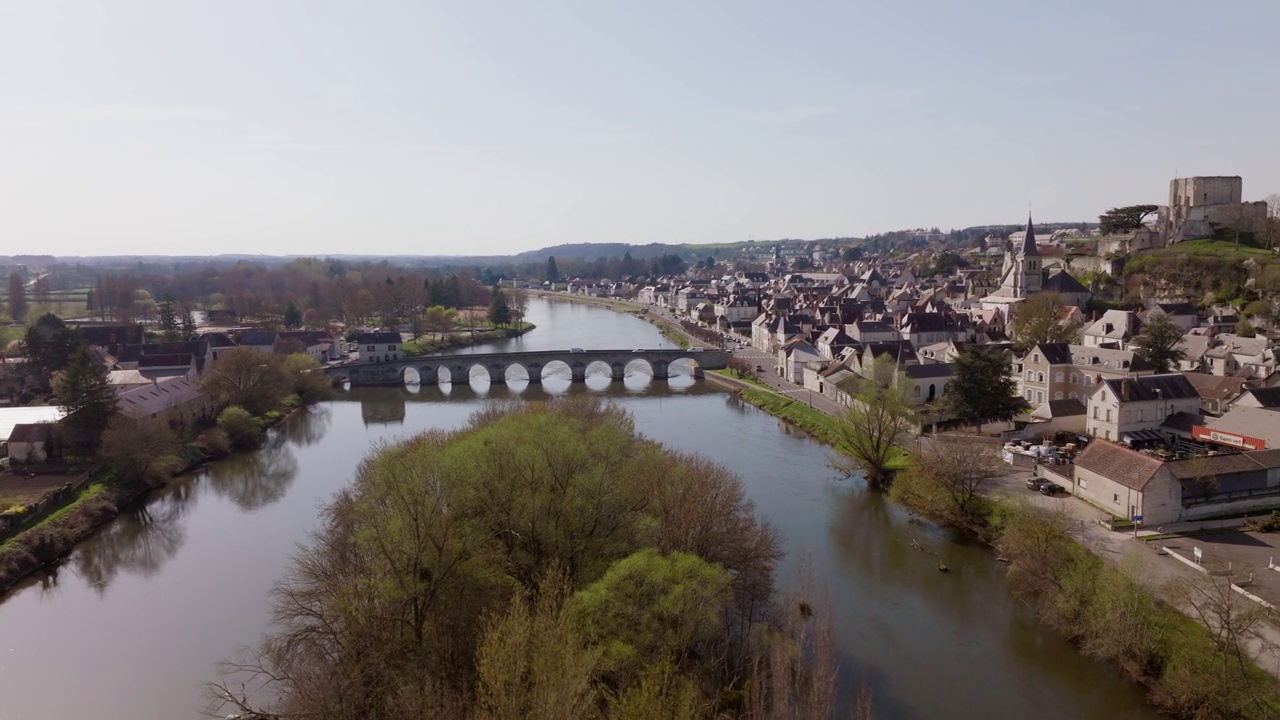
(1122, 373)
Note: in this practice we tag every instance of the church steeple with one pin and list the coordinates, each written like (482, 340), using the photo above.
(1029, 240)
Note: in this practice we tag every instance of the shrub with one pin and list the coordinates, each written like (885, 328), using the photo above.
(213, 443)
(242, 429)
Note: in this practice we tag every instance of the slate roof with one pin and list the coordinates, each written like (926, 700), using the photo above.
(1063, 408)
(1120, 464)
(152, 399)
(1182, 421)
(386, 338)
(1227, 464)
(1170, 387)
(31, 432)
(1062, 282)
(932, 370)
(260, 338)
(1266, 397)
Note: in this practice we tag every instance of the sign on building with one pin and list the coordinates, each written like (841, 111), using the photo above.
(1243, 442)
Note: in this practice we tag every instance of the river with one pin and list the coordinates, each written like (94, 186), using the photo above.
(137, 618)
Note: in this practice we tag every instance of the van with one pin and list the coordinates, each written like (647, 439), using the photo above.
(695, 349)
(576, 350)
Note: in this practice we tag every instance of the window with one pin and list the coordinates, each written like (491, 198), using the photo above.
(391, 347)
(1029, 394)
(1115, 498)
(1108, 414)
(1084, 485)
(916, 390)
(1058, 377)
(1039, 396)
(1031, 375)
(1057, 395)
(1139, 414)
(371, 348)
(1088, 381)
(1039, 377)
(1095, 412)
(1073, 396)
(1075, 379)
(1035, 358)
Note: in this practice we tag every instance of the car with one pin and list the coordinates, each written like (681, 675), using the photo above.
(638, 350)
(1051, 488)
(1035, 483)
(759, 368)
(576, 350)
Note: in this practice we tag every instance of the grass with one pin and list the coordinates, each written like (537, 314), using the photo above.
(426, 345)
(730, 374)
(1216, 248)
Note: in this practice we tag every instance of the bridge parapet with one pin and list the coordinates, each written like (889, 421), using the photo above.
(534, 363)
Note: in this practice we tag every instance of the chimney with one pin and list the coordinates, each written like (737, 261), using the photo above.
(1124, 390)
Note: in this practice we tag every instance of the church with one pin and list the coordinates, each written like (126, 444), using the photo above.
(1024, 275)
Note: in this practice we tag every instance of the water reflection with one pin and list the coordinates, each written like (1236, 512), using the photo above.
(307, 426)
(254, 480)
(139, 542)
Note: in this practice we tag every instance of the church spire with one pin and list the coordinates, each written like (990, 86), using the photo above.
(1029, 239)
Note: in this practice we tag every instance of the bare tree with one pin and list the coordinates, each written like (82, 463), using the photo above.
(962, 471)
(879, 415)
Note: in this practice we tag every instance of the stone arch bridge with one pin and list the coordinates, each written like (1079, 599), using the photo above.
(428, 367)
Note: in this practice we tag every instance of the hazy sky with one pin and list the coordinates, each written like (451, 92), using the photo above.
(477, 127)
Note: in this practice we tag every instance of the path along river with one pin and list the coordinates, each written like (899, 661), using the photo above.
(139, 616)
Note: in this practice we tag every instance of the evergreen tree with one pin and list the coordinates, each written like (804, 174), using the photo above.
(188, 323)
(168, 320)
(499, 310)
(85, 393)
(981, 388)
(1158, 343)
(293, 316)
(17, 298)
(48, 345)
(553, 272)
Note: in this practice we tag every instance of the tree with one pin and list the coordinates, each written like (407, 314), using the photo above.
(188, 323)
(253, 380)
(242, 429)
(957, 472)
(880, 414)
(434, 586)
(17, 298)
(518, 301)
(981, 389)
(1158, 342)
(1040, 319)
(85, 393)
(499, 310)
(552, 272)
(292, 316)
(48, 346)
(143, 450)
(168, 320)
(1124, 219)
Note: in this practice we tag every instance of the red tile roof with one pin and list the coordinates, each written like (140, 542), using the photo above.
(1120, 464)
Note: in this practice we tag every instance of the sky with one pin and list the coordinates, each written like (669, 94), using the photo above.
(476, 127)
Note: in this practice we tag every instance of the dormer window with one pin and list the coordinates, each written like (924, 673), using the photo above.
(1035, 358)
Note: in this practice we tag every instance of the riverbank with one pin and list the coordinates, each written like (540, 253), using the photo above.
(1095, 603)
(669, 328)
(92, 505)
(455, 340)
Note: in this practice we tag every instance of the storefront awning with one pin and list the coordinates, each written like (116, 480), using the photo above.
(1141, 436)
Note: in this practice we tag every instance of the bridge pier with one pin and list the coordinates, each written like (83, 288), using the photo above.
(579, 370)
(460, 374)
(428, 375)
(535, 373)
(659, 369)
(497, 375)
(618, 370)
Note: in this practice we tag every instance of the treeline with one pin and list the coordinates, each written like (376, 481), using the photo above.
(543, 562)
(321, 290)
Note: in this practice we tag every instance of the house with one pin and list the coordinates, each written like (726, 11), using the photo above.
(926, 328)
(925, 383)
(1130, 410)
(1059, 371)
(1216, 393)
(260, 340)
(1054, 416)
(179, 402)
(11, 417)
(832, 341)
(222, 318)
(1230, 354)
(1128, 483)
(1113, 330)
(794, 355)
(1182, 314)
(869, 331)
(1268, 398)
(31, 442)
(1243, 428)
(379, 346)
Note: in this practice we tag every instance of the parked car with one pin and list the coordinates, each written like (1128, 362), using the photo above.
(759, 368)
(1051, 489)
(1035, 483)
